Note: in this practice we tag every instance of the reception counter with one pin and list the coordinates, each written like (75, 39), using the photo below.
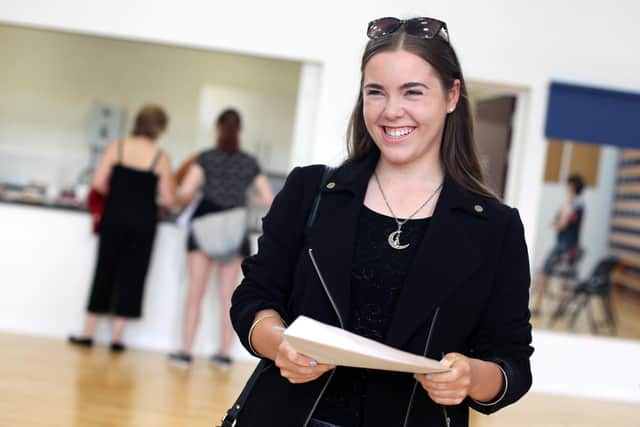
(47, 260)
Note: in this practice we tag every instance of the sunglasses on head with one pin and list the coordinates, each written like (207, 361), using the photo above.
(426, 28)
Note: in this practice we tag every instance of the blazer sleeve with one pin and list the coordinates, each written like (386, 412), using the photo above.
(268, 275)
(503, 335)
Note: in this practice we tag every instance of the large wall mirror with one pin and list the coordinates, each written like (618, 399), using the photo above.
(587, 268)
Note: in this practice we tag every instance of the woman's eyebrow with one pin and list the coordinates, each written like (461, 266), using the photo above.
(409, 85)
(373, 86)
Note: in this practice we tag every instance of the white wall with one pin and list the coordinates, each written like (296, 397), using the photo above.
(50, 80)
(586, 367)
(598, 199)
(263, 117)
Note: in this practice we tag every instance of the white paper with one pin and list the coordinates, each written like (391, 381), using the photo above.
(335, 346)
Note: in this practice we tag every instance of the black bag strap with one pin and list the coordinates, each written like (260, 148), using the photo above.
(231, 417)
(316, 203)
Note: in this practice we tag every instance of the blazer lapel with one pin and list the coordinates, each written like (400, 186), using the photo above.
(333, 234)
(450, 251)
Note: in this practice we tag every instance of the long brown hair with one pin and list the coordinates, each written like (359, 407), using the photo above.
(458, 151)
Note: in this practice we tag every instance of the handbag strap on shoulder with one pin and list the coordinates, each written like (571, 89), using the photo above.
(316, 203)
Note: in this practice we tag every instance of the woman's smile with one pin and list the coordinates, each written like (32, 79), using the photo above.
(396, 134)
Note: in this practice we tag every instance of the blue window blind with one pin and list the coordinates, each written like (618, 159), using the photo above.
(593, 115)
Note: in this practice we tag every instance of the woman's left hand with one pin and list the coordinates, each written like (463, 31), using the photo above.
(452, 387)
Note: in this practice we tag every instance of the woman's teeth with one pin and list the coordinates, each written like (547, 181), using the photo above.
(398, 132)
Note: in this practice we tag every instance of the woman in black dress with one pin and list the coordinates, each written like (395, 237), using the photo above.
(131, 173)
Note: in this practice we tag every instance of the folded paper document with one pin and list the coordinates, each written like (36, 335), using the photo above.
(335, 346)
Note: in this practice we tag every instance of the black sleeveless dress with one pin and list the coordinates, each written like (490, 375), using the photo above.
(127, 233)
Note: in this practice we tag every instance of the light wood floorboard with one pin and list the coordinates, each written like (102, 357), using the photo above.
(45, 382)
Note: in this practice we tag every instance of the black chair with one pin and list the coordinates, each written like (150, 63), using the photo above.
(597, 285)
(567, 268)
(565, 273)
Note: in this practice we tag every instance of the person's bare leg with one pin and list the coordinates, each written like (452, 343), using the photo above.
(199, 266)
(228, 274)
(118, 329)
(89, 325)
(538, 292)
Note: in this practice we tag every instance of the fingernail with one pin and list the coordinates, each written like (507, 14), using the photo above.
(313, 363)
(429, 377)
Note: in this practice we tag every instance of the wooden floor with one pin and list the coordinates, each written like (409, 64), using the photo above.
(46, 382)
(626, 306)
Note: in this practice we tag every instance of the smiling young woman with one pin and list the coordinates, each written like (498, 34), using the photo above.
(408, 247)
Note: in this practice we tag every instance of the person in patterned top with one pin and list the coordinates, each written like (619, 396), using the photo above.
(223, 175)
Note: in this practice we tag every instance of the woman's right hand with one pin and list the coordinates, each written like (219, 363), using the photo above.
(296, 367)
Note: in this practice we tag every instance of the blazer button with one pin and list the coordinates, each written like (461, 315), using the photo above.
(331, 185)
(478, 208)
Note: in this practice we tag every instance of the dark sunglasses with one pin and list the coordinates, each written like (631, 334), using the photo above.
(426, 28)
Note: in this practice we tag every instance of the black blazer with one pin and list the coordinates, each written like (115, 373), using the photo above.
(468, 285)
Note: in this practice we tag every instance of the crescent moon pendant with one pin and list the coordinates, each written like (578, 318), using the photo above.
(394, 240)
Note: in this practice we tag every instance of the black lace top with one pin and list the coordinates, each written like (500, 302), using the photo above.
(377, 277)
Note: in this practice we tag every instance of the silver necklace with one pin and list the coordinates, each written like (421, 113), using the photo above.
(394, 237)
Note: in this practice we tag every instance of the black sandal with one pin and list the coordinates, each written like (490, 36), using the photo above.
(117, 347)
(83, 342)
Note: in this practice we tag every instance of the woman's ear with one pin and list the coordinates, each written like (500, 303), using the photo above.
(453, 95)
